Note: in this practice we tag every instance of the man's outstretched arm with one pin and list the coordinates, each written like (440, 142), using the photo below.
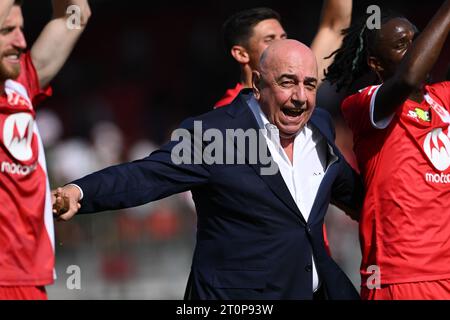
(336, 16)
(131, 184)
(56, 41)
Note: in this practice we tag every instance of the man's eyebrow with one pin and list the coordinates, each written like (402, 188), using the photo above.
(310, 79)
(270, 36)
(11, 26)
(288, 75)
(294, 77)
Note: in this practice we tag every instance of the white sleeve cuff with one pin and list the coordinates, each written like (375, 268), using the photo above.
(383, 123)
(81, 190)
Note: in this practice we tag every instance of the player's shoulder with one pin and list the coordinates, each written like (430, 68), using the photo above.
(28, 75)
(439, 91)
(440, 86)
(364, 92)
(362, 97)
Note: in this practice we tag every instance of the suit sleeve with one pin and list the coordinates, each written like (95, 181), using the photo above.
(348, 191)
(135, 183)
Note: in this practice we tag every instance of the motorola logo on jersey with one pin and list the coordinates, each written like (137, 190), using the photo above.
(18, 135)
(437, 148)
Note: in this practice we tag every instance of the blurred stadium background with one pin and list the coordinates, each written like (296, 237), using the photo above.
(139, 69)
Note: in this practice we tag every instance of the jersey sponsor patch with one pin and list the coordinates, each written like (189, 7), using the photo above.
(437, 148)
(18, 135)
(419, 115)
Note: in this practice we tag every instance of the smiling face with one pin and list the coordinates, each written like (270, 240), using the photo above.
(392, 42)
(12, 44)
(285, 86)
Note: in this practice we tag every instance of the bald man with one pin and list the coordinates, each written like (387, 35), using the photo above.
(285, 87)
(262, 173)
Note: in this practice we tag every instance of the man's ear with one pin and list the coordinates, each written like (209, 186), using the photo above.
(375, 65)
(256, 84)
(240, 54)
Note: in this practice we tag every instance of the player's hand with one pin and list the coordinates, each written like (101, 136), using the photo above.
(65, 201)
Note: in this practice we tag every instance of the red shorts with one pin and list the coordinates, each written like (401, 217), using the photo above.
(425, 290)
(23, 293)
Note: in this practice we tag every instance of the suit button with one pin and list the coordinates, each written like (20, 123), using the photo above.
(308, 268)
(308, 229)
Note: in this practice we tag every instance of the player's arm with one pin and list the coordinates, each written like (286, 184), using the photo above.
(415, 66)
(56, 41)
(5, 8)
(336, 16)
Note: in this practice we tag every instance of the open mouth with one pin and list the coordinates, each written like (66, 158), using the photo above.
(292, 112)
(12, 57)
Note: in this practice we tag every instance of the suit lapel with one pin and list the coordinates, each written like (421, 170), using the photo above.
(332, 160)
(244, 119)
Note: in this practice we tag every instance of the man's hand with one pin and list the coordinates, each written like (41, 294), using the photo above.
(65, 202)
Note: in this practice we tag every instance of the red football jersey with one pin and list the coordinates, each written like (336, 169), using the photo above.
(229, 96)
(26, 222)
(405, 220)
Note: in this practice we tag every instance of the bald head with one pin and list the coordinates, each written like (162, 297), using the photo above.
(285, 85)
(287, 51)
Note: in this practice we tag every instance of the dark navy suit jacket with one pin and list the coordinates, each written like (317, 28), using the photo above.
(252, 240)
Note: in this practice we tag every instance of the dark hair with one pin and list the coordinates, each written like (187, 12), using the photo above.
(350, 60)
(238, 28)
(18, 2)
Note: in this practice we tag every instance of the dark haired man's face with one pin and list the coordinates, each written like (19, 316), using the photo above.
(393, 41)
(264, 33)
(12, 44)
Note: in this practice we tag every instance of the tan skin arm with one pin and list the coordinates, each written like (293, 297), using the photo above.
(336, 15)
(5, 7)
(57, 40)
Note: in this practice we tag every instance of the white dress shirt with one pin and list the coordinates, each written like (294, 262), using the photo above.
(304, 175)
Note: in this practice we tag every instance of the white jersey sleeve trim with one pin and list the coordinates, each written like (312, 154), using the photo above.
(383, 123)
